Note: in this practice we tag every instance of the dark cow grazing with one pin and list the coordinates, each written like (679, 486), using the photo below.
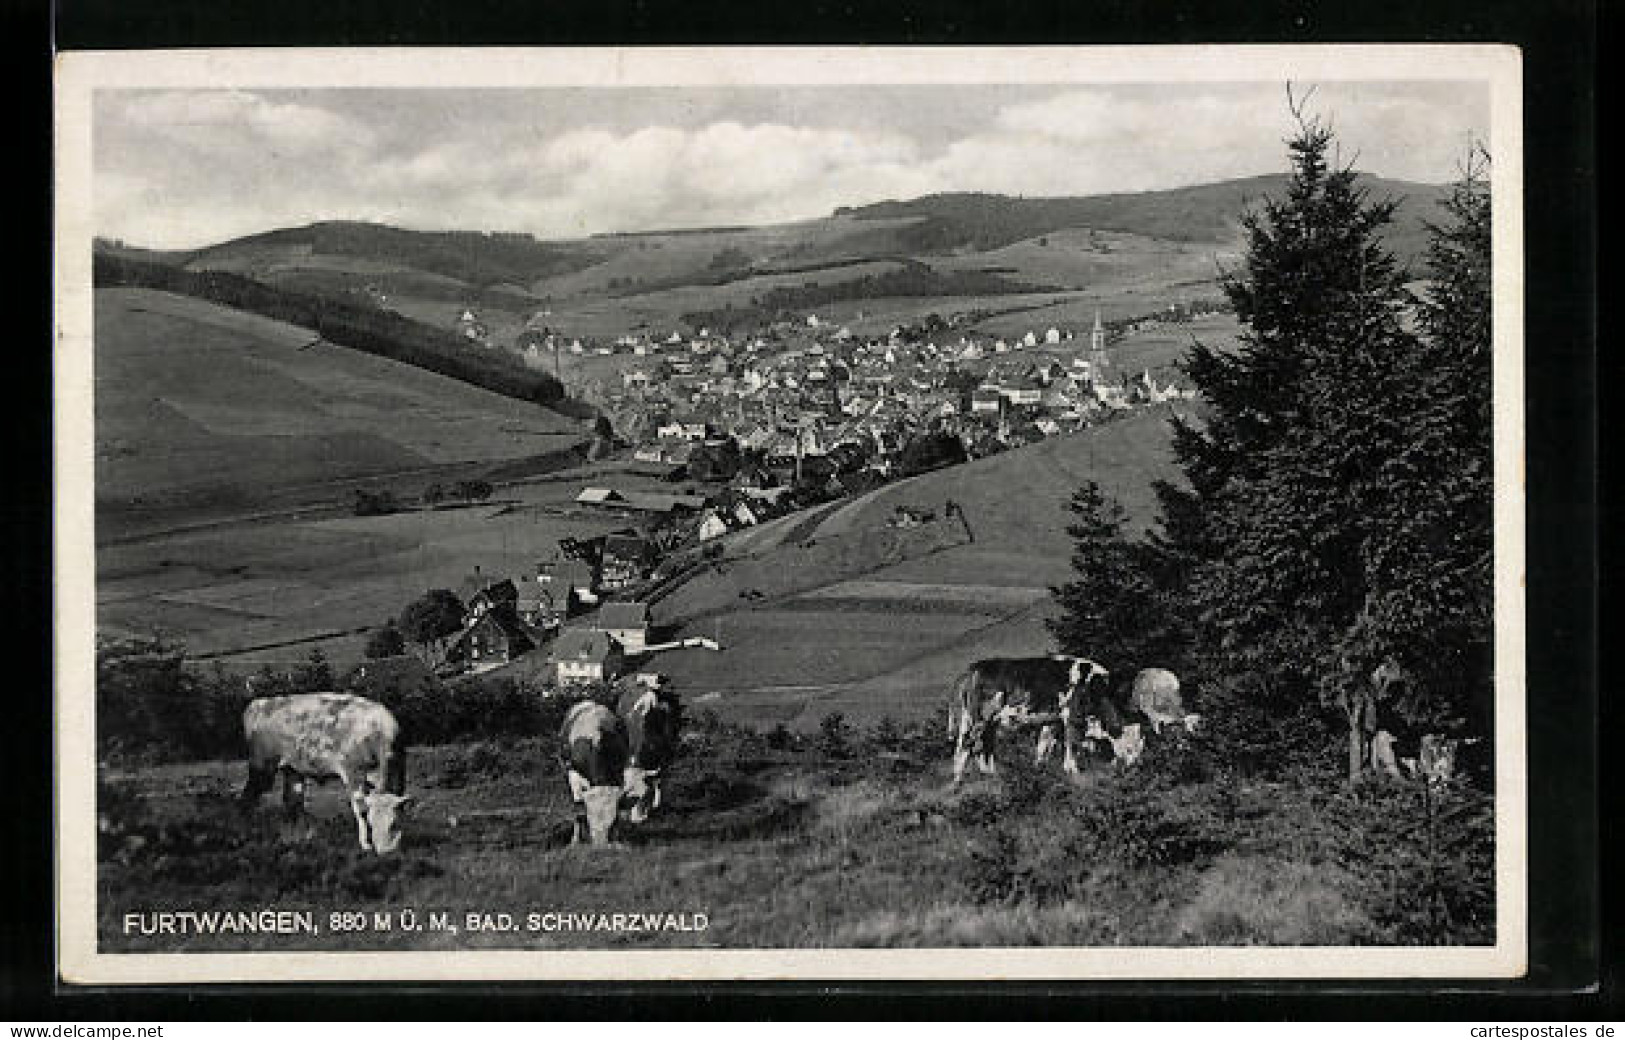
(1156, 696)
(1048, 692)
(321, 735)
(597, 753)
(653, 716)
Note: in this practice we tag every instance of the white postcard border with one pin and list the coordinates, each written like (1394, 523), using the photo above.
(79, 74)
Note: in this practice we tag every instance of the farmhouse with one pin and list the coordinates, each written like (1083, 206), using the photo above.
(489, 597)
(626, 623)
(626, 560)
(494, 637)
(585, 656)
(986, 402)
(566, 583)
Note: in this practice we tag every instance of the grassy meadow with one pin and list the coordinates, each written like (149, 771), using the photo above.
(851, 837)
(199, 405)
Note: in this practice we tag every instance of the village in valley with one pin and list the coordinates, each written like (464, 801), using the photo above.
(746, 429)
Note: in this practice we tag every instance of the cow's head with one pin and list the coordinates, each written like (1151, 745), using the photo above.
(640, 789)
(385, 814)
(602, 805)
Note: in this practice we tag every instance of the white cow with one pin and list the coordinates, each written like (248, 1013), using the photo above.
(1156, 696)
(321, 735)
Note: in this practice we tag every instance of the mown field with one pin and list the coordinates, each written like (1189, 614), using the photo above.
(201, 404)
(847, 838)
(326, 579)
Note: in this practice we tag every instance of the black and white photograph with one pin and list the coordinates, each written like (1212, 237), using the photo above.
(790, 513)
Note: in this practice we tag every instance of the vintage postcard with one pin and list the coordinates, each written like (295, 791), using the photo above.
(805, 513)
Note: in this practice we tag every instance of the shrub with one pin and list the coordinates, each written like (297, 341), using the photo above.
(780, 738)
(886, 735)
(835, 736)
(1425, 856)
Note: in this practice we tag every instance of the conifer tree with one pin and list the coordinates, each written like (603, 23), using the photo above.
(1428, 560)
(1106, 607)
(1283, 478)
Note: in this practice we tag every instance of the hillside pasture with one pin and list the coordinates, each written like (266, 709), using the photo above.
(876, 636)
(193, 397)
(1082, 258)
(851, 838)
(282, 586)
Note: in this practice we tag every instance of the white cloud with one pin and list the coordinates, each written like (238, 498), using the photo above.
(189, 167)
(216, 120)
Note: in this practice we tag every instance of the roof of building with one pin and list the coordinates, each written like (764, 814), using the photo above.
(623, 615)
(593, 494)
(568, 569)
(505, 617)
(659, 502)
(582, 644)
(625, 544)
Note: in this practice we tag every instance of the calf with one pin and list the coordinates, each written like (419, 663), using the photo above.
(597, 754)
(322, 735)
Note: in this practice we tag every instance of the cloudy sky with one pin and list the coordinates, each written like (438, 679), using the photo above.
(186, 168)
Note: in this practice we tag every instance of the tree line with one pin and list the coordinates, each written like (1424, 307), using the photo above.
(343, 322)
(1335, 512)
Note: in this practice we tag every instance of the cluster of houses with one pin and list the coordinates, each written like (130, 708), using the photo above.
(787, 408)
(562, 608)
(789, 402)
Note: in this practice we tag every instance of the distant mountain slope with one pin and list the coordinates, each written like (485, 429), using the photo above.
(1118, 245)
(1205, 213)
(201, 403)
(476, 259)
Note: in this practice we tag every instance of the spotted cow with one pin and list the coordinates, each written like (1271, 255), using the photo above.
(1050, 693)
(653, 716)
(597, 755)
(322, 735)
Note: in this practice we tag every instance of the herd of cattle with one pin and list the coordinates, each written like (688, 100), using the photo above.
(614, 758)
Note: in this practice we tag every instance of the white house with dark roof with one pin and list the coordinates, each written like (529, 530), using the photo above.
(626, 623)
(582, 655)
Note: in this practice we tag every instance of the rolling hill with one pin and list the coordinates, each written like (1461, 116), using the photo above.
(1118, 250)
(199, 405)
(889, 642)
(1205, 213)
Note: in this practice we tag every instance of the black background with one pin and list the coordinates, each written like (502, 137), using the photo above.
(1574, 973)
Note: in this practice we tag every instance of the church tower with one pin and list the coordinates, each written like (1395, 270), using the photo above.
(1097, 352)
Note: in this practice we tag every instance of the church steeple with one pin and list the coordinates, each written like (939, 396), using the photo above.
(1097, 352)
